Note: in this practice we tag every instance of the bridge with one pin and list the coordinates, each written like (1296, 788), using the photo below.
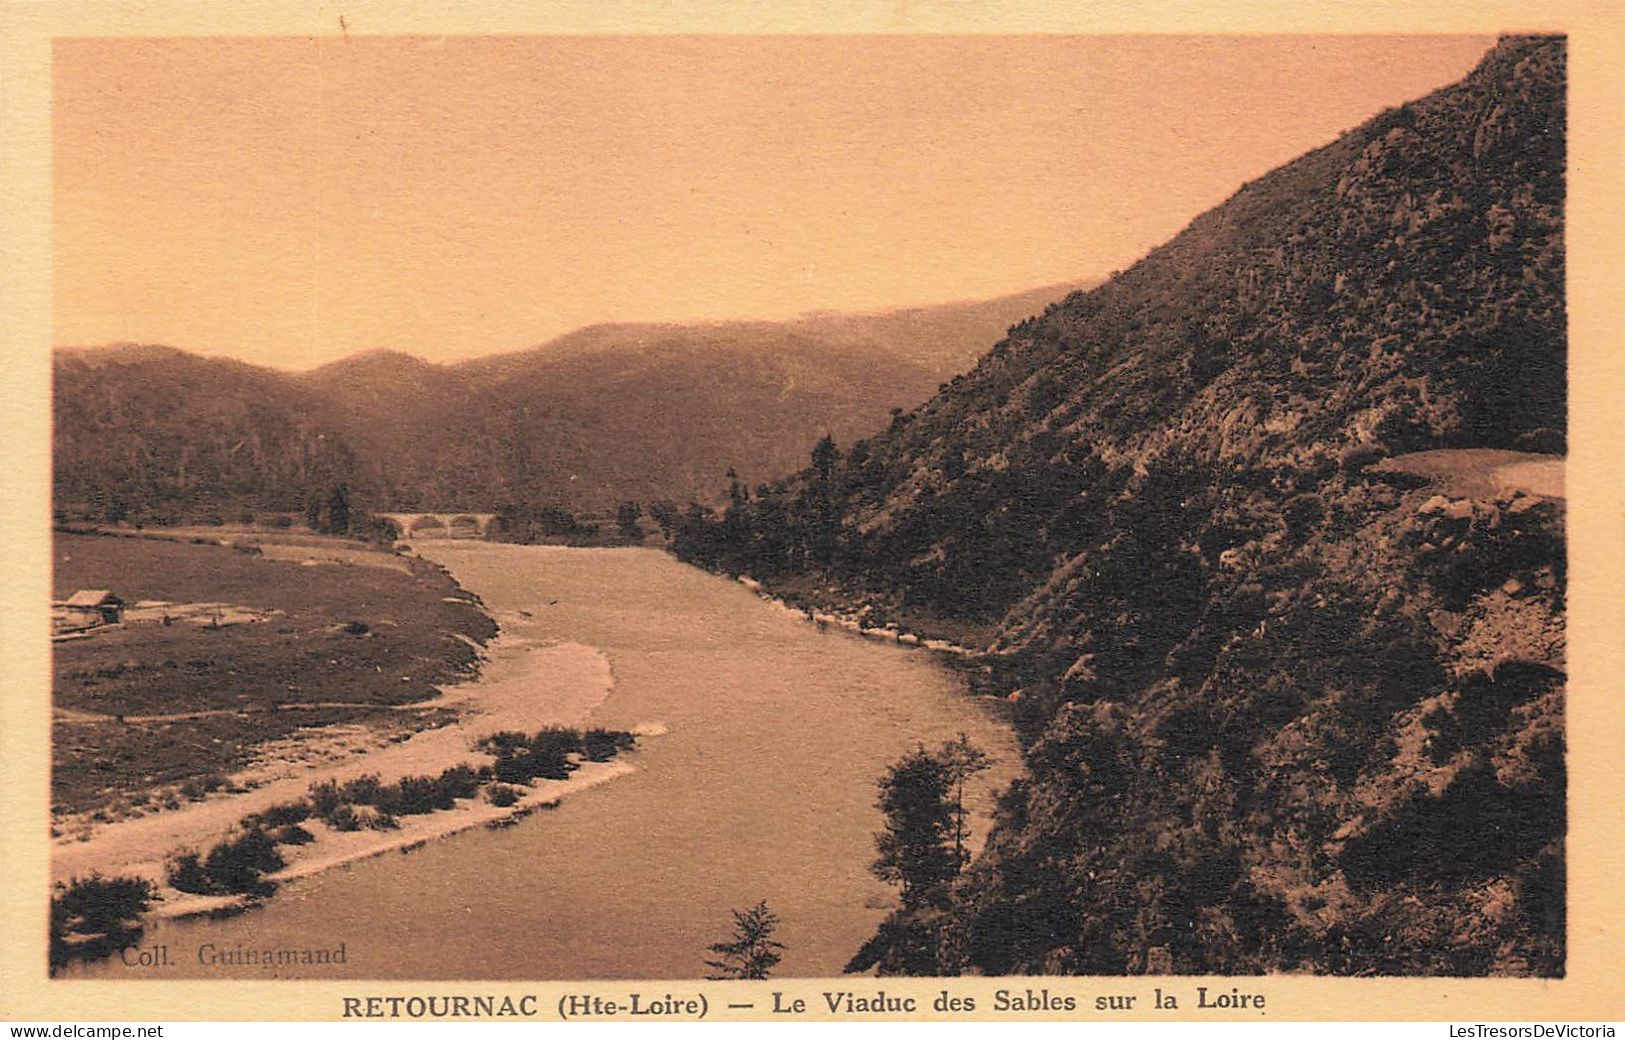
(440, 525)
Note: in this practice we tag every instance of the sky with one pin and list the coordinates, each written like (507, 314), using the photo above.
(291, 201)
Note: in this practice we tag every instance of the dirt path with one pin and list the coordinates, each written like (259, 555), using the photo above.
(77, 715)
(1482, 472)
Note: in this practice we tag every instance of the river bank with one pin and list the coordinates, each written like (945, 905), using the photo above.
(524, 686)
(761, 787)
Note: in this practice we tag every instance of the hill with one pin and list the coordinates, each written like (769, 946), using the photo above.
(647, 412)
(1284, 709)
(602, 415)
(157, 434)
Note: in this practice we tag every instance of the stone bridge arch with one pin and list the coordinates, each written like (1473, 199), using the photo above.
(439, 525)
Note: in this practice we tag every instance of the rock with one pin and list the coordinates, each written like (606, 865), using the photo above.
(1512, 586)
(1461, 509)
(1436, 504)
(1523, 505)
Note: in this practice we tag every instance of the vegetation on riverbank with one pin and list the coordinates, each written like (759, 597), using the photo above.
(96, 917)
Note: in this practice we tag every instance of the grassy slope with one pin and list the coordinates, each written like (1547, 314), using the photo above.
(301, 655)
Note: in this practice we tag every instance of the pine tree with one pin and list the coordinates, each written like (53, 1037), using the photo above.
(753, 952)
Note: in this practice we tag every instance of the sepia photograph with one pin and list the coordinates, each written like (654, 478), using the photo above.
(846, 507)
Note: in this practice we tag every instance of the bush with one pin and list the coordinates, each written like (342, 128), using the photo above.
(415, 795)
(460, 781)
(199, 787)
(555, 742)
(186, 874)
(375, 819)
(507, 740)
(342, 817)
(94, 917)
(545, 755)
(236, 866)
(326, 800)
(292, 834)
(279, 815)
(601, 745)
(502, 795)
(363, 790)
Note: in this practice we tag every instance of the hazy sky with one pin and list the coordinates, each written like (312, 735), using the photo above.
(291, 201)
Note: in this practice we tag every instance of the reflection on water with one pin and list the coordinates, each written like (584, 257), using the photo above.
(761, 788)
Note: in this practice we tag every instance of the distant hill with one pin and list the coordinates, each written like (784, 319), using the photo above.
(606, 414)
(1282, 711)
(154, 433)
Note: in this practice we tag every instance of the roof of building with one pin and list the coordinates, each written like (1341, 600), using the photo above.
(93, 598)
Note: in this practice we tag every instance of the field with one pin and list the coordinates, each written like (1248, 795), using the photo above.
(148, 711)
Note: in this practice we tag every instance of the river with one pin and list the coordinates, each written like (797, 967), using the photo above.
(762, 786)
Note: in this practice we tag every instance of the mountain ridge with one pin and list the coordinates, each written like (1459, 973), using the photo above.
(512, 431)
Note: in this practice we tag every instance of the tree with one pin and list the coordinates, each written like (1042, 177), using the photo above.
(626, 518)
(824, 456)
(915, 850)
(964, 760)
(753, 952)
(338, 509)
(665, 514)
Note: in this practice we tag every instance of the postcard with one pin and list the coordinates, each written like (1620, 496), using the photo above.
(795, 515)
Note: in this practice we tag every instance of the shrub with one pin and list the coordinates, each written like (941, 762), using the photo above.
(363, 790)
(507, 740)
(460, 781)
(279, 815)
(375, 819)
(186, 874)
(326, 800)
(236, 866)
(93, 917)
(502, 795)
(601, 745)
(199, 787)
(292, 834)
(415, 795)
(545, 754)
(555, 741)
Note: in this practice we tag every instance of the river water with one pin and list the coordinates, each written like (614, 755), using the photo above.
(761, 787)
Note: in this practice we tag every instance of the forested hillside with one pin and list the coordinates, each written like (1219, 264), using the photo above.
(1287, 704)
(158, 435)
(604, 415)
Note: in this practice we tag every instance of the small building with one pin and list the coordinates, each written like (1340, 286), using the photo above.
(89, 607)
